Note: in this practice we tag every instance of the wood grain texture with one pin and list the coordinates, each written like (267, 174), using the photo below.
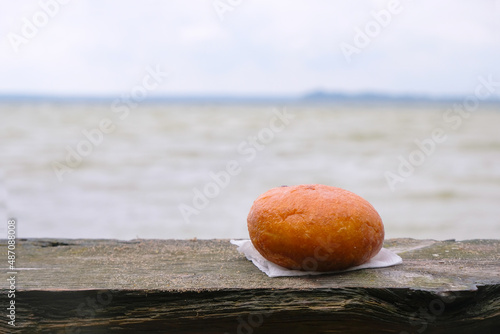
(206, 286)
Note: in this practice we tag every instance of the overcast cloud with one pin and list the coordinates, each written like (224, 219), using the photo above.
(259, 47)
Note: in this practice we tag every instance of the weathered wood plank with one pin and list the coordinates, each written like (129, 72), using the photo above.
(206, 286)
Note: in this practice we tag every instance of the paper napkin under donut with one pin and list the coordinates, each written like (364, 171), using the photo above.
(384, 258)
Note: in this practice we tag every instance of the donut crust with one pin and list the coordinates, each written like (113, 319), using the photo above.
(315, 227)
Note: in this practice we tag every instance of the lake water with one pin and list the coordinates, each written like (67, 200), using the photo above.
(184, 171)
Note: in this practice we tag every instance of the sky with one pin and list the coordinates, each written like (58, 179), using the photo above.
(247, 47)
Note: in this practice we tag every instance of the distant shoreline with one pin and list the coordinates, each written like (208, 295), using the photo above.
(316, 98)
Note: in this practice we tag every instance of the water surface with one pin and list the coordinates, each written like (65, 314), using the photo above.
(155, 160)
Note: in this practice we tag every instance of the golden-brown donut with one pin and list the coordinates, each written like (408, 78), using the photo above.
(315, 227)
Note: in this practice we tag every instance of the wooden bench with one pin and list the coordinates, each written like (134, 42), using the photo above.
(206, 286)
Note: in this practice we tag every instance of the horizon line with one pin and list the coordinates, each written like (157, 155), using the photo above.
(317, 96)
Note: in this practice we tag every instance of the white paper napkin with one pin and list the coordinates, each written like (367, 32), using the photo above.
(385, 258)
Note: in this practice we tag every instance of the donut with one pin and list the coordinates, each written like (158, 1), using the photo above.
(314, 227)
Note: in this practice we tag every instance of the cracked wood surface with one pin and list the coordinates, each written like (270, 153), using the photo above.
(206, 286)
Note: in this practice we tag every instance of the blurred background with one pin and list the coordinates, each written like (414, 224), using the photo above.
(151, 119)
